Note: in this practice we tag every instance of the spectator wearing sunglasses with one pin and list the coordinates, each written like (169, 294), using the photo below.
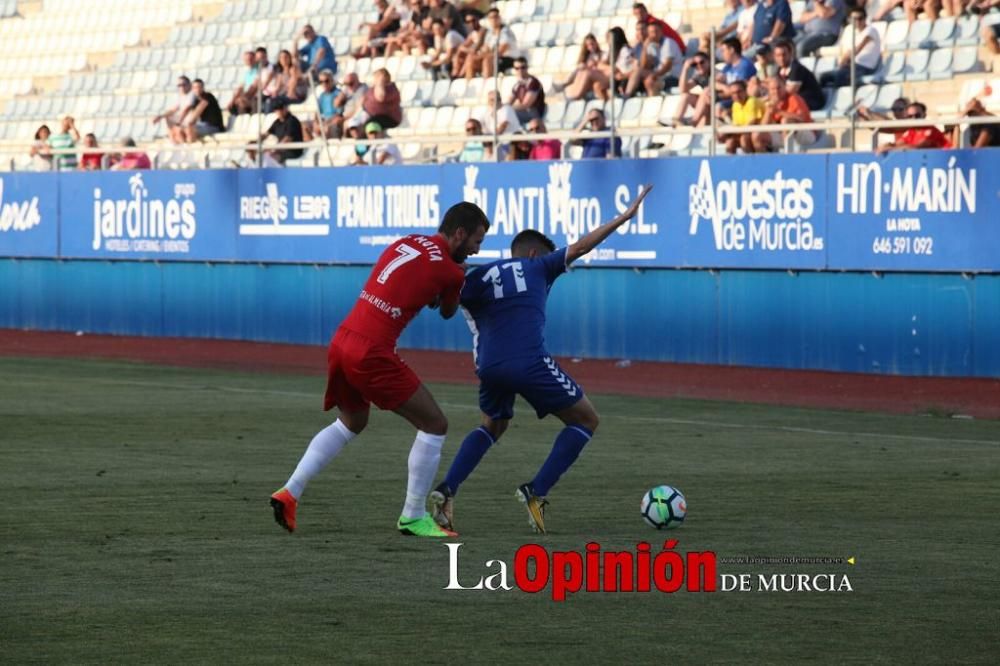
(328, 120)
(474, 150)
(175, 114)
(528, 97)
(597, 148)
(695, 77)
(917, 137)
(543, 149)
(860, 42)
(897, 110)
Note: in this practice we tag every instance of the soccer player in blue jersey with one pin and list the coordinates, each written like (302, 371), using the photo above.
(504, 303)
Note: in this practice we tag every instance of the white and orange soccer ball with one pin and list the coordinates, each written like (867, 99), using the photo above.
(664, 507)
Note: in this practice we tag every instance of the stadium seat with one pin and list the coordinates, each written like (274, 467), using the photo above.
(896, 36)
(939, 66)
(966, 60)
(967, 31)
(943, 33)
(920, 33)
(916, 65)
(887, 94)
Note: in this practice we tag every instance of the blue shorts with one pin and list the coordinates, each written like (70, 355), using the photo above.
(540, 381)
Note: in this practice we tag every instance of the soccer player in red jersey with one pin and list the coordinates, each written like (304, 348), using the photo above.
(363, 367)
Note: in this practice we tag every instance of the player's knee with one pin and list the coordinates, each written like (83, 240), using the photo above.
(496, 428)
(590, 420)
(436, 425)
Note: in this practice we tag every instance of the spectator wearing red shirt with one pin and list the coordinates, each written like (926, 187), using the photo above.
(917, 138)
(132, 160)
(545, 149)
(90, 161)
(642, 15)
(528, 96)
(783, 108)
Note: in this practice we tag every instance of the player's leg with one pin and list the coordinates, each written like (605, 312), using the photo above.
(497, 407)
(425, 414)
(329, 441)
(551, 391)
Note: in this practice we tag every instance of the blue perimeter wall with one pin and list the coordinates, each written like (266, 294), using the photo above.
(912, 324)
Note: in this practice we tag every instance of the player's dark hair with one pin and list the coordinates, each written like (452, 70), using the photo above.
(466, 216)
(530, 239)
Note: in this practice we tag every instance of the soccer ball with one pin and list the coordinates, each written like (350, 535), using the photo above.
(664, 507)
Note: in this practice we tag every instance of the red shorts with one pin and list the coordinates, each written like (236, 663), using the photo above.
(361, 371)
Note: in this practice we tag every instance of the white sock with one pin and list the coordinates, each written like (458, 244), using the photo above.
(323, 448)
(424, 458)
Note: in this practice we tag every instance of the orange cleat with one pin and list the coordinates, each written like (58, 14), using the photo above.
(284, 506)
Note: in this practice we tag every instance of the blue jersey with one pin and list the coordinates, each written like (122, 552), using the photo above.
(505, 307)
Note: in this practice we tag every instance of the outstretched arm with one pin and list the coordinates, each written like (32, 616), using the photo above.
(598, 235)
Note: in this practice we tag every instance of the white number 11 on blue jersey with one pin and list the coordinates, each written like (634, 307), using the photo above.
(493, 275)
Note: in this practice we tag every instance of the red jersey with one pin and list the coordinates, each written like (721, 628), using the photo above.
(668, 31)
(917, 135)
(410, 274)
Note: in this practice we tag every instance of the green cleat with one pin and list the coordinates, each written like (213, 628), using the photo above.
(423, 527)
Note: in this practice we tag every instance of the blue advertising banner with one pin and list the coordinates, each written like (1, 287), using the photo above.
(178, 215)
(334, 216)
(29, 215)
(915, 211)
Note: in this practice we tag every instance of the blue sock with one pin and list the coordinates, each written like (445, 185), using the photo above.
(474, 447)
(569, 442)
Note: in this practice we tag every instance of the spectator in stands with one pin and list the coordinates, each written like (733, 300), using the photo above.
(205, 117)
(381, 102)
(916, 137)
(990, 32)
(763, 61)
(499, 43)
(783, 108)
(980, 136)
(477, 8)
(659, 63)
(519, 150)
(772, 20)
(245, 94)
(474, 150)
(588, 63)
(175, 115)
(737, 68)
(506, 117)
(745, 111)
(867, 53)
(912, 9)
(618, 67)
(451, 17)
(376, 33)
(728, 27)
(594, 121)
(444, 47)
(65, 139)
(131, 160)
(286, 128)
(411, 35)
(352, 97)
(328, 120)
(41, 156)
(474, 35)
(820, 25)
(798, 78)
(898, 111)
(250, 161)
(528, 97)
(381, 153)
(316, 55)
(643, 17)
(356, 132)
(745, 23)
(695, 74)
(287, 83)
(543, 149)
(90, 161)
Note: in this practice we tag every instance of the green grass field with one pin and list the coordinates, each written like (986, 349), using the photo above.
(135, 528)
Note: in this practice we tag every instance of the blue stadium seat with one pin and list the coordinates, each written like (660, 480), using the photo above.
(943, 33)
(825, 64)
(967, 32)
(940, 64)
(896, 36)
(919, 35)
(966, 60)
(574, 113)
(916, 65)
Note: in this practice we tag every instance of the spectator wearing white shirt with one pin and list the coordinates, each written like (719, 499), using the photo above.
(744, 24)
(621, 61)
(821, 23)
(382, 153)
(506, 116)
(866, 52)
(175, 114)
(659, 63)
(444, 47)
(499, 43)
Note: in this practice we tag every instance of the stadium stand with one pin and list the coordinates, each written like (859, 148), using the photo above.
(112, 66)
